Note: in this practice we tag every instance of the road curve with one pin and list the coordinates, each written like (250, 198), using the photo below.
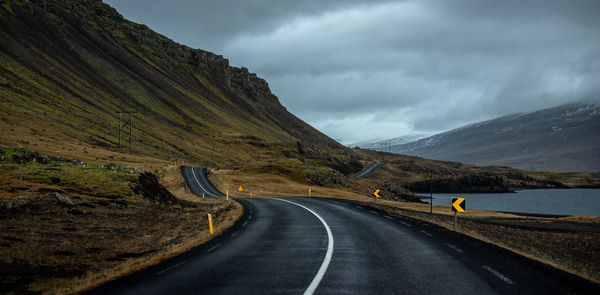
(368, 170)
(280, 247)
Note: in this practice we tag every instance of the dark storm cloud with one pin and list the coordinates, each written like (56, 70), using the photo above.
(209, 24)
(358, 69)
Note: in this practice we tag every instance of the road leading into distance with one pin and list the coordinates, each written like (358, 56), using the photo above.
(324, 246)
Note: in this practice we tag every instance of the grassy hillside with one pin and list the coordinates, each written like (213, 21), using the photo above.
(67, 67)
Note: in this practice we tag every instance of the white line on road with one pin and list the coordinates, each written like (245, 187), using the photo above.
(388, 217)
(170, 268)
(405, 223)
(198, 181)
(246, 222)
(214, 247)
(235, 233)
(249, 216)
(426, 233)
(499, 275)
(373, 212)
(359, 207)
(315, 282)
(455, 248)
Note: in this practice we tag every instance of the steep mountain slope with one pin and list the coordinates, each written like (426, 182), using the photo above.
(67, 67)
(563, 138)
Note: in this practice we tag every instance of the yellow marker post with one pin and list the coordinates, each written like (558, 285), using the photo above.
(376, 193)
(240, 188)
(202, 195)
(250, 195)
(458, 205)
(210, 226)
(309, 193)
(227, 194)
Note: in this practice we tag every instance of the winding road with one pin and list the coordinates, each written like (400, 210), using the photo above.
(324, 246)
(368, 170)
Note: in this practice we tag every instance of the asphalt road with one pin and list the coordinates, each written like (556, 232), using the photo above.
(368, 170)
(306, 245)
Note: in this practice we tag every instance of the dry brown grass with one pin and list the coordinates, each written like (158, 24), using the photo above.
(56, 251)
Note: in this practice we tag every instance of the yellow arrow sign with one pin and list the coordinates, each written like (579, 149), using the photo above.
(458, 204)
(376, 193)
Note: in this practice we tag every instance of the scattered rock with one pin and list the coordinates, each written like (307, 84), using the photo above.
(120, 205)
(63, 201)
(149, 187)
(113, 157)
(77, 211)
(39, 202)
(16, 203)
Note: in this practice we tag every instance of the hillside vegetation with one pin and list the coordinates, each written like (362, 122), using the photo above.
(68, 67)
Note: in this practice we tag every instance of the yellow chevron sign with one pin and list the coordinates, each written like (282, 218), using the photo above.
(376, 193)
(458, 204)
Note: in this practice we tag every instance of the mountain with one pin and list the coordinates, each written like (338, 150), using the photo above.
(563, 138)
(382, 144)
(68, 67)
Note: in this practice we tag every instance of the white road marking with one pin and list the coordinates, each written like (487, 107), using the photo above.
(426, 233)
(359, 207)
(246, 222)
(373, 212)
(250, 217)
(214, 247)
(170, 268)
(315, 282)
(235, 233)
(388, 217)
(405, 223)
(454, 248)
(499, 275)
(198, 181)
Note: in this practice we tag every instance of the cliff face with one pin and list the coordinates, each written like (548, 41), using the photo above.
(71, 65)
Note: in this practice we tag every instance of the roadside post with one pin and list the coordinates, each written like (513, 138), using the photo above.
(227, 194)
(376, 194)
(458, 205)
(240, 188)
(309, 193)
(210, 226)
(203, 196)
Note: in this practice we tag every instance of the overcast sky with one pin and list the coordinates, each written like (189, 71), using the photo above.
(358, 69)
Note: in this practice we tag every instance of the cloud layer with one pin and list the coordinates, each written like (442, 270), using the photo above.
(371, 69)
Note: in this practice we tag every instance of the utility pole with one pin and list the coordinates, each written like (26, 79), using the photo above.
(130, 125)
(124, 124)
(430, 192)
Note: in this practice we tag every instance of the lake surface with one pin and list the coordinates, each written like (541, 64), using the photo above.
(546, 201)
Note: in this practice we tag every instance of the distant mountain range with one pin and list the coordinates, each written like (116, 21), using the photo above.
(381, 144)
(563, 138)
